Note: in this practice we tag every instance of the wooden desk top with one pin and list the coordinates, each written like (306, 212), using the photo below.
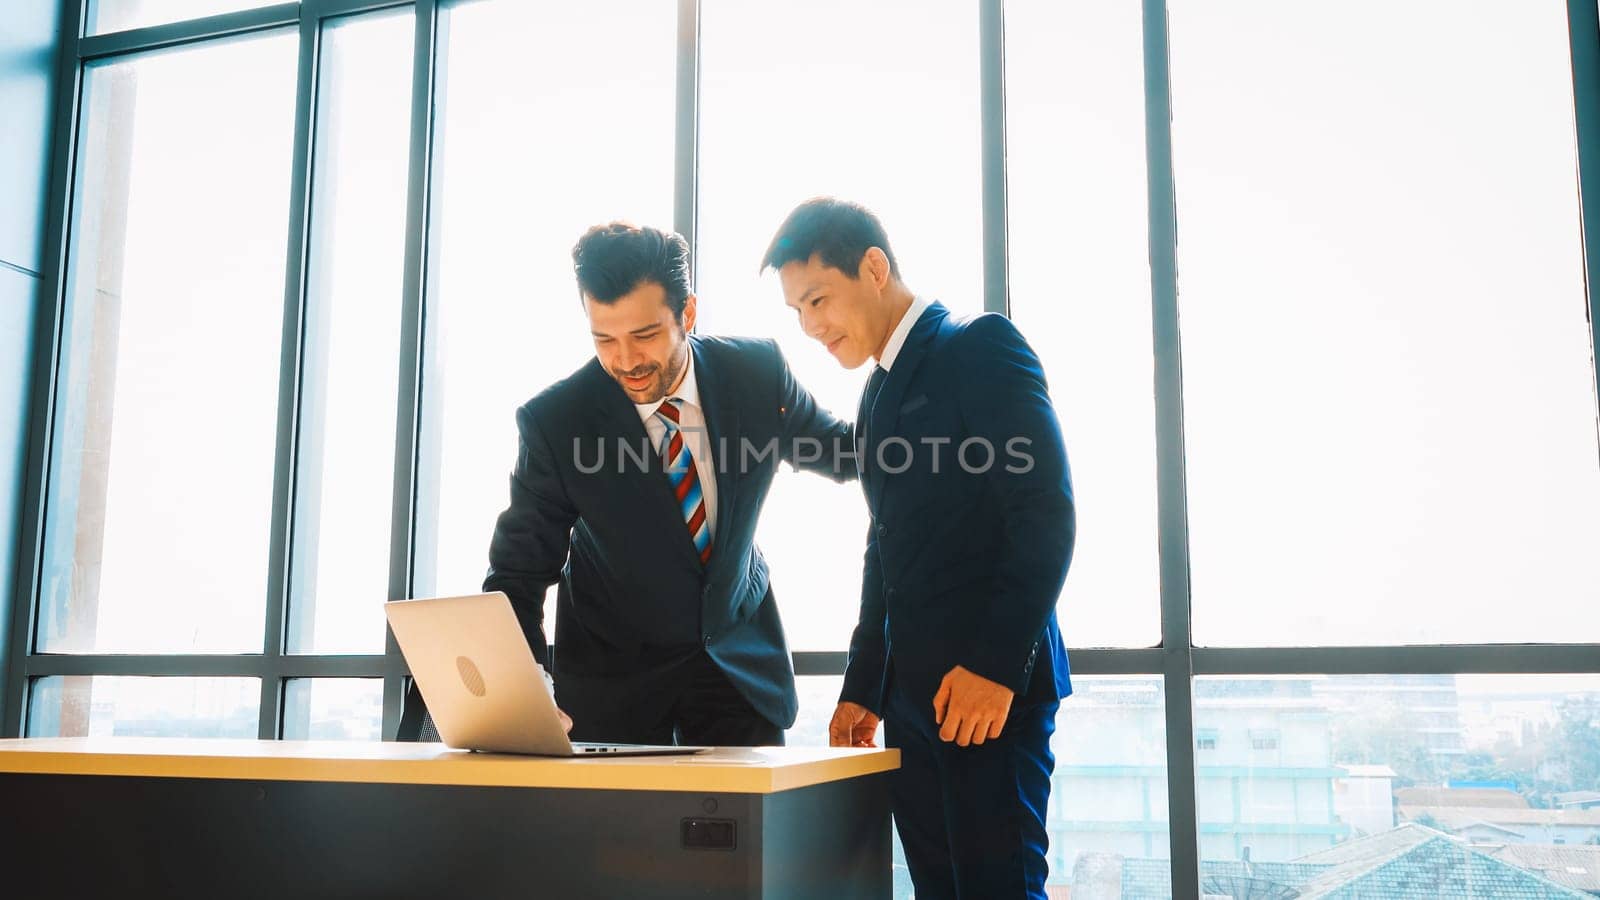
(734, 770)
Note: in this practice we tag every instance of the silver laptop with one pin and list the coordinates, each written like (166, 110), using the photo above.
(481, 682)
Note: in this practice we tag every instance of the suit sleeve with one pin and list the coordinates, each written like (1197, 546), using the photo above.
(812, 439)
(1005, 401)
(533, 534)
(863, 673)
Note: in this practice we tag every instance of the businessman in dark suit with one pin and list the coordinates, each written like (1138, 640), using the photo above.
(636, 490)
(957, 649)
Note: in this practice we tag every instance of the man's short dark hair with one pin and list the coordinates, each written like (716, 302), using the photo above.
(837, 231)
(612, 259)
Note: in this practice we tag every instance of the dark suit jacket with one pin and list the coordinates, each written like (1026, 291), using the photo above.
(964, 562)
(591, 511)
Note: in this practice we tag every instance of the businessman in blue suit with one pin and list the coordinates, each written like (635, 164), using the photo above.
(636, 489)
(957, 650)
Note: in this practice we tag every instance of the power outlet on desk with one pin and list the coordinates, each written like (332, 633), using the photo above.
(709, 834)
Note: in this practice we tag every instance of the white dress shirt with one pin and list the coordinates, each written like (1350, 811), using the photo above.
(897, 338)
(692, 422)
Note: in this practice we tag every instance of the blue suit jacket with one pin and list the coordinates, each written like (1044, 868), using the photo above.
(632, 599)
(966, 553)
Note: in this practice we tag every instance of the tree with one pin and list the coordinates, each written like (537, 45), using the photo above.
(1380, 732)
(1576, 742)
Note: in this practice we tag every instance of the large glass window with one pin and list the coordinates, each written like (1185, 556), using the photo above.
(795, 103)
(553, 118)
(1389, 399)
(160, 493)
(1388, 411)
(345, 477)
(1080, 291)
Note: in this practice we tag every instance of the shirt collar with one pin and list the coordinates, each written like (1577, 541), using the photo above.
(688, 392)
(897, 338)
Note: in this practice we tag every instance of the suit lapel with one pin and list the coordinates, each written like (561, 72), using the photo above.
(621, 432)
(885, 413)
(863, 418)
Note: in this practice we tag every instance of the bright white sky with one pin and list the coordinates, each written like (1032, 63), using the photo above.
(1389, 409)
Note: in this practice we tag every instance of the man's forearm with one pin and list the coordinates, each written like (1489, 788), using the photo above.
(527, 601)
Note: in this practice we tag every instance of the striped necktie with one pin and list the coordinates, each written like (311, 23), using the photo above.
(683, 478)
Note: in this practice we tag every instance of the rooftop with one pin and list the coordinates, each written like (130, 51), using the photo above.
(1494, 797)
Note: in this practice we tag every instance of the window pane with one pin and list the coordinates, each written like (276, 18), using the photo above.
(116, 706)
(1108, 800)
(120, 15)
(160, 494)
(528, 157)
(1080, 290)
(797, 101)
(819, 694)
(333, 709)
(1398, 785)
(1390, 404)
(345, 479)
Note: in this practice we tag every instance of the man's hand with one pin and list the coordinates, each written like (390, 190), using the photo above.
(969, 707)
(853, 725)
(550, 685)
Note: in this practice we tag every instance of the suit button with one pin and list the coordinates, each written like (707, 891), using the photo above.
(707, 640)
(883, 530)
(889, 592)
